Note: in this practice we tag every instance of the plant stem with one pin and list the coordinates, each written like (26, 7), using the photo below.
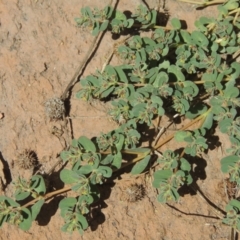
(183, 128)
(47, 196)
(234, 11)
(204, 4)
(130, 162)
(155, 26)
(142, 155)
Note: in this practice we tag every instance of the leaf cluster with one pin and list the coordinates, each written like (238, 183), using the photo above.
(192, 74)
(116, 21)
(12, 212)
(174, 172)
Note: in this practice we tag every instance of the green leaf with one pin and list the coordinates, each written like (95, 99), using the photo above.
(3, 218)
(176, 23)
(231, 5)
(178, 75)
(9, 201)
(35, 209)
(27, 219)
(85, 169)
(85, 199)
(88, 11)
(185, 165)
(68, 176)
(164, 65)
(228, 161)
(156, 99)
(130, 23)
(186, 36)
(117, 160)
(175, 194)
(109, 11)
(96, 29)
(208, 121)
(22, 195)
(120, 142)
(185, 104)
(231, 50)
(193, 86)
(65, 156)
(196, 110)
(139, 150)
(87, 144)
(199, 38)
(225, 124)
(38, 184)
(161, 176)
(231, 92)
(67, 205)
(82, 220)
(104, 25)
(235, 203)
(180, 136)
(140, 166)
(107, 159)
(121, 74)
(107, 92)
(75, 143)
(120, 16)
(106, 171)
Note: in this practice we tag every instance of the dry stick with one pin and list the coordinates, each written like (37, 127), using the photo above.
(82, 66)
(204, 4)
(172, 135)
(161, 131)
(47, 196)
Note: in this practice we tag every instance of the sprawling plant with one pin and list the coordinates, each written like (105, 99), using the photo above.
(192, 74)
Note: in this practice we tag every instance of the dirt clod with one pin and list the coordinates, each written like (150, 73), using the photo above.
(27, 159)
(133, 193)
(54, 108)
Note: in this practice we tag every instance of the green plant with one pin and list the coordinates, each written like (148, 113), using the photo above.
(192, 74)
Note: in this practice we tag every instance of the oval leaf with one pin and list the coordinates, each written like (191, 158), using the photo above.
(140, 166)
(35, 209)
(181, 135)
(27, 219)
(87, 144)
(22, 196)
(68, 176)
(176, 23)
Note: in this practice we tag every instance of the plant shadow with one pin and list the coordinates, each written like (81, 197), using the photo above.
(49, 209)
(197, 172)
(96, 217)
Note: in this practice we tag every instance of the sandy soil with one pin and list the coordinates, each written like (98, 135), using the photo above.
(40, 50)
